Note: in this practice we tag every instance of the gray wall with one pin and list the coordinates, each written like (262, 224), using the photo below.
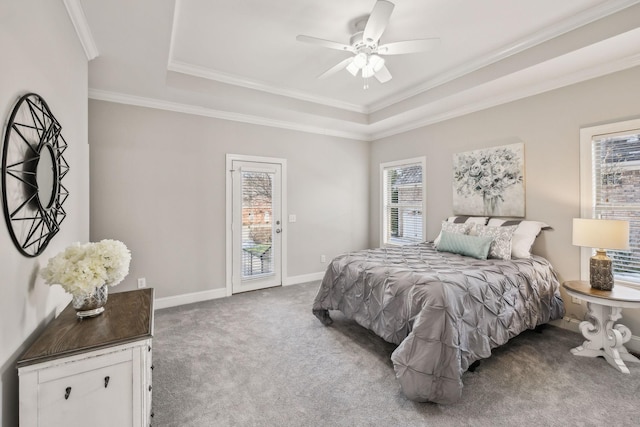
(158, 184)
(40, 53)
(158, 180)
(548, 124)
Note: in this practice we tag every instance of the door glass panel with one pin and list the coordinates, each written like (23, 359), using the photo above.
(257, 224)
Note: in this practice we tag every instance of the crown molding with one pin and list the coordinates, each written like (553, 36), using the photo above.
(139, 101)
(524, 92)
(396, 125)
(174, 25)
(79, 21)
(593, 14)
(576, 21)
(206, 73)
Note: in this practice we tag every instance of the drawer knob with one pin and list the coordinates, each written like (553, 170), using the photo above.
(67, 392)
(106, 381)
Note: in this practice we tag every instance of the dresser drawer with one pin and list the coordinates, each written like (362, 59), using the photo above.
(101, 396)
(91, 372)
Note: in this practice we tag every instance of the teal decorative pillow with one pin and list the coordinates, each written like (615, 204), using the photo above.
(463, 244)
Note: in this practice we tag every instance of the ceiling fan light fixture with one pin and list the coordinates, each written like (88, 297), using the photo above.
(360, 60)
(376, 62)
(365, 45)
(367, 72)
(353, 68)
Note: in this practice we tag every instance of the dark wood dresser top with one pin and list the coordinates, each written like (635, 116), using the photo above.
(127, 317)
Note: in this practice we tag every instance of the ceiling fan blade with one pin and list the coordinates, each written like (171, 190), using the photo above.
(325, 43)
(408, 46)
(340, 66)
(378, 21)
(383, 75)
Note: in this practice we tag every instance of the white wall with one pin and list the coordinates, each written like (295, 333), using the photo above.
(158, 184)
(549, 125)
(40, 53)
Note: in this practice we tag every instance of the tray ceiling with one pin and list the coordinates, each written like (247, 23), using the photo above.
(239, 60)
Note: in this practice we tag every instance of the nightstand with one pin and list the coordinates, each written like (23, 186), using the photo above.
(604, 309)
(92, 371)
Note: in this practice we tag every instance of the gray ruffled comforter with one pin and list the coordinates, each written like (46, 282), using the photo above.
(444, 310)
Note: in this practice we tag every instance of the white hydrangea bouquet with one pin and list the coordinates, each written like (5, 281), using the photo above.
(82, 268)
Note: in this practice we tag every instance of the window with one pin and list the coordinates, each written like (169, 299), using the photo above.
(610, 189)
(403, 198)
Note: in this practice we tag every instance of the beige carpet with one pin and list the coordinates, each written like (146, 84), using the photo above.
(263, 359)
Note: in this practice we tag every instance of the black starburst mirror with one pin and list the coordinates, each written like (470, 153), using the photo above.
(33, 167)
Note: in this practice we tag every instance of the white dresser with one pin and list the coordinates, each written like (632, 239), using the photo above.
(95, 371)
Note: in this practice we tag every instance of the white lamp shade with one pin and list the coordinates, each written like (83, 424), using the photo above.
(601, 233)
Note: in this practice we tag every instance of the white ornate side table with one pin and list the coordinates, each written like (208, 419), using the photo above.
(604, 338)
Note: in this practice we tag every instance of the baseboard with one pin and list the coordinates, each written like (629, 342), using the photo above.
(303, 278)
(176, 300)
(572, 324)
(166, 302)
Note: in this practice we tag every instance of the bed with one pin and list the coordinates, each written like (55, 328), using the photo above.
(444, 310)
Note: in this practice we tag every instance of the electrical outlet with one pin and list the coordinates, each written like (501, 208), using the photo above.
(575, 300)
(142, 282)
(323, 258)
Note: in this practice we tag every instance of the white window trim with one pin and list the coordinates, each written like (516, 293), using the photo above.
(423, 162)
(586, 188)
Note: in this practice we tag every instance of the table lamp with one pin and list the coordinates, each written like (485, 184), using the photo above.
(601, 234)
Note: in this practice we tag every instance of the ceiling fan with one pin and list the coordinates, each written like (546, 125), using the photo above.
(366, 48)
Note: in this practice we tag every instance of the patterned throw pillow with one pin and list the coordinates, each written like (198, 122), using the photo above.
(502, 238)
(453, 227)
(524, 236)
(463, 244)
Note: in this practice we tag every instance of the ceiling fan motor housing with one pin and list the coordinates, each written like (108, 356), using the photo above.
(359, 45)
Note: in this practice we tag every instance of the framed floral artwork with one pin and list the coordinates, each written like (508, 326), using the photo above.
(489, 182)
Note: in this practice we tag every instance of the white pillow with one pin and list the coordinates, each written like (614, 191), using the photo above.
(523, 237)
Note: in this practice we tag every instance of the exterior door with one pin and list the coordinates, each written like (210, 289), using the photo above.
(256, 226)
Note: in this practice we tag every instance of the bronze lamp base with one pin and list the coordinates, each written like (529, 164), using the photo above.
(600, 271)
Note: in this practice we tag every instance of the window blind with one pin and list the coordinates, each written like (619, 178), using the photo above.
(616, 194)
(257, 226)
(403, 204)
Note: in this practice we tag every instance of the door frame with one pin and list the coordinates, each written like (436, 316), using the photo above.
(230, 158)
